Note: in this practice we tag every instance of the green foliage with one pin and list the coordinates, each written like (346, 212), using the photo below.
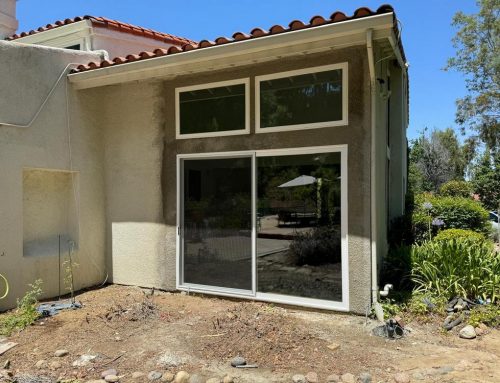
(456, 188)
(486, 180)
(450, 234)
(486, 314)
(26, 313)
(457, 268)
(478, 50)
(396, 268)
(421, 304)
(456, 212)
(315, 247)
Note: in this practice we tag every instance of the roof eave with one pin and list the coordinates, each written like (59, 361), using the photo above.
(310, 40)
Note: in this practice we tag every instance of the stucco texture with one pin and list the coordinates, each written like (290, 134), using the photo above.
(56, 145)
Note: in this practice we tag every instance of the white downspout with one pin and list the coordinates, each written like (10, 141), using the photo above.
(373, 91)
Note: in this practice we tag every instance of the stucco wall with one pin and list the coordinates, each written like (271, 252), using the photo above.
(356, 135)
(26, 76)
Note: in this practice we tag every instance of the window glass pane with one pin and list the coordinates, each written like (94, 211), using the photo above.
(212, 110)
(298, 226)
(303, 99)
(217, 223)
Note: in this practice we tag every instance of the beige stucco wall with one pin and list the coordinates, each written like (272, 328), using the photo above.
(26, 76)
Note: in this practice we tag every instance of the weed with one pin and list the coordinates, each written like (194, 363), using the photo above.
(25, 314)
(486, 314)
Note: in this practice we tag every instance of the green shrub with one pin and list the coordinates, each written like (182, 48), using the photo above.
(318, 246)
(26, 313)
(486, 314)
(457, 267)
(456, 189)
(459, 234)
(396, 268)
(455, 212)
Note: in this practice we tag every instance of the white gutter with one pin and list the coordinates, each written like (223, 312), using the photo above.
(373, 218)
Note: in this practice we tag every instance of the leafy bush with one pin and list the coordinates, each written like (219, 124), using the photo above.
(450, 234)
(486, 314)
(396, 268)
(455, 212)
(318, 246)
(26, 313)
(457, 267)
(456, 189)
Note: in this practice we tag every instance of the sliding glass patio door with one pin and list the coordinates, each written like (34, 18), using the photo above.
(216, 224)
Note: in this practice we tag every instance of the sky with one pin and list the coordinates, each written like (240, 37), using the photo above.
(426, 33)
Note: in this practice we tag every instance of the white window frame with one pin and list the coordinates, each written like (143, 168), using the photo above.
(254, 293)
(314, 125)
(178, 91)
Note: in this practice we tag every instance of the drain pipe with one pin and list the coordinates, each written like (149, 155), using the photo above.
(373, 220)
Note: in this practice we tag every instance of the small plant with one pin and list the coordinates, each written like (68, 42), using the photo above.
(318, 246)
(25, 314)
(68, 267)
(422, 304)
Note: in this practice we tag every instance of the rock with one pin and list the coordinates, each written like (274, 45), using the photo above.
(195, 378)
(333, 378)
(213, 380)
(6, 365)
(41, 364)
(167, 377)
(61, 353)
(238, 361)
(228, 379)
(138, 375)
(348, 378)
(299, 379)
(467, 332)
(333, 346)
(111, 371)
(483, 327)
(181, 377)
(479, 331)
(401, 377)
(155, 375)
(84, 360)
(365, 377)
(111, 378)
(55, 365)
(418, 375)
(312, 377)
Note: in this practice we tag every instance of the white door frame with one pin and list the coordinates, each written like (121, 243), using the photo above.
(254, 294)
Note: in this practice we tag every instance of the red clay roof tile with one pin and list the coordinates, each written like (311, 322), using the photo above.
(240, 36)
(104, 22)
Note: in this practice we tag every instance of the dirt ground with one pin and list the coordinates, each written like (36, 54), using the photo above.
(130, 330)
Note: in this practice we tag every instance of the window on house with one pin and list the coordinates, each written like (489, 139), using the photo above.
(213, 109)
(302, 99)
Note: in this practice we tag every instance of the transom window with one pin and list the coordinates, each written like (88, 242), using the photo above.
(215, 109)
(302, 99)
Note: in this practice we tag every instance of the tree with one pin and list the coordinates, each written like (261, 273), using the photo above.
(486, 180)
(434, 160)
(478, 57)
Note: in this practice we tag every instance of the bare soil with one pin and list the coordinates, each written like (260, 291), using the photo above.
(131, 330)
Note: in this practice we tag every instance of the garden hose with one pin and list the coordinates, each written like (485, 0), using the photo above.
(6, 287)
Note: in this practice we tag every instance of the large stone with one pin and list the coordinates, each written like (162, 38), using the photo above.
(110, 371)
(333, 378)
(155, 375)
(61, 353)
(111, 378)
(299, 379)
(401, 377)
(167, 377)
(195, 378)
(238, 361)
(467, 332)
(365, 377)
(348, 378)
(333, 346)
(181, 377)
(311, 377)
